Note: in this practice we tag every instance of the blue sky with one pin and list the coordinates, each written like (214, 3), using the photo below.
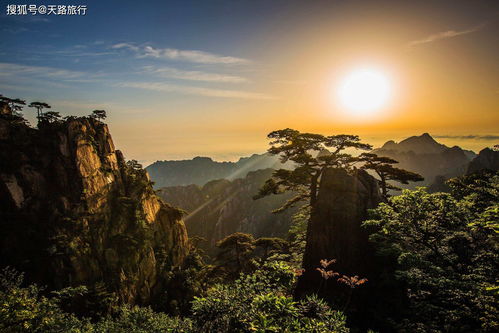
(186, 78)
(120, 41)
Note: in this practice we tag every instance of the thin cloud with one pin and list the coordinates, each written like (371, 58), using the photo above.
(173, 73)
(469, 137)
(62, 104)
(83, 50)
(15, 30)
(444, 35)
(125, 46)
(291, 82)
(9, 69)
(79, 53)
(38, 19)
(207, 92)
(195, 56)
(192, 56)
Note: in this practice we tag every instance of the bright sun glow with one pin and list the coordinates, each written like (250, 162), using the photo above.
(364, 91)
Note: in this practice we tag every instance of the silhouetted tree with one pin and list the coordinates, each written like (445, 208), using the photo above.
(15, 104)
(136, 176)
(5, 99)
(235, 251)
(39, 106)
(269, 244)
(312, 154)
(99, 114)
(50, 117)
(383, 166)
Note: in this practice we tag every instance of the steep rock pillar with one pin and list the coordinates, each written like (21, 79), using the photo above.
(335, 232)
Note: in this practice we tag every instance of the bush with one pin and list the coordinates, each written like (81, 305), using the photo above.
(141, 320)
(26, 310)
(446, 247)
(261, 302)
(258, 302)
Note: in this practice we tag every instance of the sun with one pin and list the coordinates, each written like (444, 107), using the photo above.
(364, 91)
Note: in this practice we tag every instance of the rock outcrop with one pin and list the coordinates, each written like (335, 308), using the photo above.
(73, 212)
(335, 229)
(487, 159)
(335, 232)
(5, 109)
(222, 207)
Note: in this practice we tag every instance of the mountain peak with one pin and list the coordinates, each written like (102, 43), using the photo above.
(425, 137)
(202, 159)
(389, 145)
(422, 144)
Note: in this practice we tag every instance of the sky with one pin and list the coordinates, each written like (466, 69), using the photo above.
(181, 79)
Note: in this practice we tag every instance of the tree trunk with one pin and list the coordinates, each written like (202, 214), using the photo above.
(313, 187)
(237, 257)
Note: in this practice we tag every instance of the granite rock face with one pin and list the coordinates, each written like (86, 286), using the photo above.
(335, 231)
(72, 212)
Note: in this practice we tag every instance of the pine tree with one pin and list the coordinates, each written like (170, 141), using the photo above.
(312, 154)
(383, 166)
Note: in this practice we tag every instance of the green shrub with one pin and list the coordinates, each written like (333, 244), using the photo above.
(26, 310)
(141, 320)
(446, 246)
(261, 302)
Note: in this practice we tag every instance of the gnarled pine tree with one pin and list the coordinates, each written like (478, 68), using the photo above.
(312, 154)
(383, 166)
(15, 104)
(39, 106)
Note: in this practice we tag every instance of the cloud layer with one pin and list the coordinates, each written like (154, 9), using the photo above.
(207, 92)
(39, 71)
(194, 56)
(444, 35)
(173, 73)
(469, 137)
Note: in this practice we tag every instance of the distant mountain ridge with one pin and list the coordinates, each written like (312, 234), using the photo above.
(421, 154)
(423, 144)
(424, 155)
(201, 170)
(222, 207)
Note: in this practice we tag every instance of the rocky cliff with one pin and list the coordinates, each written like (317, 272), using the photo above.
(222, 207)
(487, 159)
(73, 212)
(335, 232)
(335, 228)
